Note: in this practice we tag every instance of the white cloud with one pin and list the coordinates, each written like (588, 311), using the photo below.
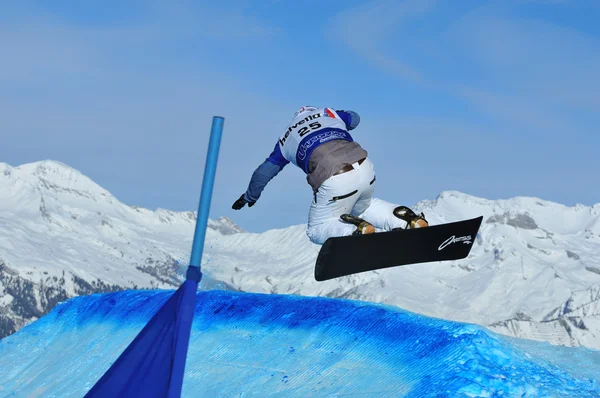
(530, 73)
(366, 29)
(119, 103)
(210, 21)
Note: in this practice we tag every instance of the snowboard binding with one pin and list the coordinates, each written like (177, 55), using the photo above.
(412, 219)
(362, 227)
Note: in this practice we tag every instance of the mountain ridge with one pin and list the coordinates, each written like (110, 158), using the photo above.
(63, 235)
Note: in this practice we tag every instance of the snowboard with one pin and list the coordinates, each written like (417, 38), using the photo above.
(347, 255)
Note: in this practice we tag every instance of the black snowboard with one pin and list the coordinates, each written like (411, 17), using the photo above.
(348, 255)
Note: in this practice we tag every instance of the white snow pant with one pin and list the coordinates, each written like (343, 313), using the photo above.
(352, 193)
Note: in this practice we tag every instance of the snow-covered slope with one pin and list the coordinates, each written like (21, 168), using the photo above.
(534, 271)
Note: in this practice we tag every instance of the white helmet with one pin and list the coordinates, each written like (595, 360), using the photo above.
(306, 108)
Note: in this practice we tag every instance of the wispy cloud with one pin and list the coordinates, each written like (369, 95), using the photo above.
(130, 103)
(126, 94)
(39, 45)
(210, 21)
(536, 72)
(520, 71)
(367, 29)
(548, 1)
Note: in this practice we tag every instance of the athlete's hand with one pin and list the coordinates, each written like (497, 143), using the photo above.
(241, 202)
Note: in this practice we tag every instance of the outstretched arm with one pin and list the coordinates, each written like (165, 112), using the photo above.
(261, 177)
(351, 119)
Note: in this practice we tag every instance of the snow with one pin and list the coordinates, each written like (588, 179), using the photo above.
(245, 344)
(5, 299)
(531, 258)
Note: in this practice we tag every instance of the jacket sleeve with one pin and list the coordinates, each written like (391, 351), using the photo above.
(265, 173)
(351, 119)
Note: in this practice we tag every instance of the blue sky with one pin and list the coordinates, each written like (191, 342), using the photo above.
(492, 98)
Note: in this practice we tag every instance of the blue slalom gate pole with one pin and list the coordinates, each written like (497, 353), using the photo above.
(205, 198)
(153, 364)
(194, 274)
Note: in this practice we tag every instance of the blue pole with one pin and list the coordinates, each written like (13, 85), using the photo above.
(205, 197)
(153, 365)
(194, 275)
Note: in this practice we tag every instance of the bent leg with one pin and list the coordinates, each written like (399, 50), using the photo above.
(336, 196)
(376, 211)
(331, 227)
(381, 214)
(351, 193)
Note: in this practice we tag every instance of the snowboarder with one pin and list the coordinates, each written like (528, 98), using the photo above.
(341, 175)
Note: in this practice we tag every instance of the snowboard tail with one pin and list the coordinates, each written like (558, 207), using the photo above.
(347, 255)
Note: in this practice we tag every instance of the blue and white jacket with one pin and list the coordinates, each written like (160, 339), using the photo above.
(310, 128)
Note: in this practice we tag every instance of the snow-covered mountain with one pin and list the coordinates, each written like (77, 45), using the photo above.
(534, 271)
(62, 235)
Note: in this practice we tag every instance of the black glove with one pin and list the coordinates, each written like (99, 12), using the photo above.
(238, 204)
